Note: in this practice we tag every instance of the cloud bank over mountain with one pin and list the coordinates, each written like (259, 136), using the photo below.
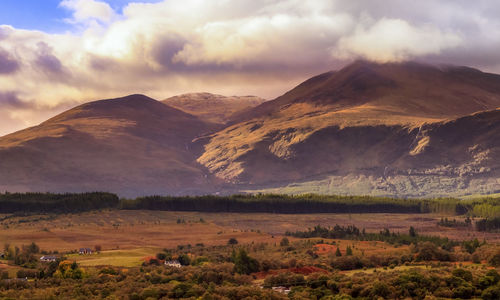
(229, 47)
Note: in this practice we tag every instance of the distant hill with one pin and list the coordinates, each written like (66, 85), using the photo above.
(397, 129)
(354, 124)
(131, 145)
(213, 108)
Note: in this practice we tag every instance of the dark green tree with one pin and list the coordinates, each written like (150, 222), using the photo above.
(244, 264)
(184, 260)
(412, 232)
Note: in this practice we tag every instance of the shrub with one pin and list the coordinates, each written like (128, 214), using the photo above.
(463, 292)
(464, 274)
(348, 263)
(491, 293)
(4, 275)
(495, 260)
(184, 260)
(380, 289)
(161, 256)
(244, 264)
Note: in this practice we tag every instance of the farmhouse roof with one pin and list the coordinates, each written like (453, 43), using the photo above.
(48, 257)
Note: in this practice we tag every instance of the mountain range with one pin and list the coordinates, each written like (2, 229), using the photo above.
(396, 129)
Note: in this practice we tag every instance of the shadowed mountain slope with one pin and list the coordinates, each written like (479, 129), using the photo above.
(365, 119)
(131, 145)
(403, 129)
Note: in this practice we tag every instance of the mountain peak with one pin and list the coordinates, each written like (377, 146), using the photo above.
(404, 88)
(134, 100)
(212, 107)
(132, 107)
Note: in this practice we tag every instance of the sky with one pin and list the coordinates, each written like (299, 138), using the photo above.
(56, 54)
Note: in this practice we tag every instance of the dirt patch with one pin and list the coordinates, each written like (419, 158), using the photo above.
(421, 219)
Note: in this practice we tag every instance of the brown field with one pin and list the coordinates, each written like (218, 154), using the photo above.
(358, 247)
(117, 229)
(12, 270)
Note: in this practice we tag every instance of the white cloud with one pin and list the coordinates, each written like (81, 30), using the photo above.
(395, 40)
(257, 47)
(88, 10)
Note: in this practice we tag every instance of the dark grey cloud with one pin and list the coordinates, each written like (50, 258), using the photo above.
(8, 64)
(47, 61)
(11, 100)
(99, 63)
(257, 47)
(166, 47)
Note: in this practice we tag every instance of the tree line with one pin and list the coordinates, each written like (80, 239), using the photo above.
(309, 203)
(352, 232)
(258, 203)
(56, 203)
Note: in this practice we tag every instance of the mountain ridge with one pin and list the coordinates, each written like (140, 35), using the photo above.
(405, 129)
(396, 103)
(212, 107)
(130, 145)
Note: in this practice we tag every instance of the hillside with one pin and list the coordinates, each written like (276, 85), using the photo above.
(344, 131)
(131, 145)
(213, 108)
(405, 129)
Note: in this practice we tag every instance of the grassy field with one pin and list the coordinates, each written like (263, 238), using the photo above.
(12, 270)
(130, 239)
(119, 258)
(116, 229)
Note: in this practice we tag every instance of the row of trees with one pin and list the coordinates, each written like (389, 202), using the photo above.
(56, 203)
(488, 224)
(24, 256)
(352, 232)
(308, 203)
(260, 203)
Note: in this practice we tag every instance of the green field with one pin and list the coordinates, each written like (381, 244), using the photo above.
(118, 258)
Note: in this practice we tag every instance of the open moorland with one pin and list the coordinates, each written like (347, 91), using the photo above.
(97, 246)
(129, 229)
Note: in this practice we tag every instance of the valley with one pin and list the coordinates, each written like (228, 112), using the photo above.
(128, 249)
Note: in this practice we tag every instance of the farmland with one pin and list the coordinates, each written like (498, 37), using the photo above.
(126, 229)
(238, 255)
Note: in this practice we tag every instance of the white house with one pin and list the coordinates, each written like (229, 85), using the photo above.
(48, 258)
(281, 289)
(173, 263)
(85, 251)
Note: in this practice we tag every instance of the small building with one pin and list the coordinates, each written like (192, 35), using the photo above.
(281, 289)
(48, 258)
(173, 263)
(85, 251)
